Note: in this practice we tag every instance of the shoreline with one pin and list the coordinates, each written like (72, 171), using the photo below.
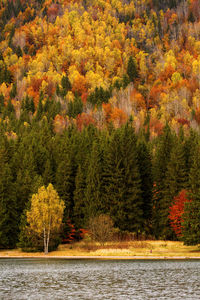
(137, 250)
(98, 257)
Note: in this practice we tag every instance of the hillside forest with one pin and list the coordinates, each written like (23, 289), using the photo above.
(101, 98)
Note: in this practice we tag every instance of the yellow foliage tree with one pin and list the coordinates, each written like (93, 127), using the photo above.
(46, 213)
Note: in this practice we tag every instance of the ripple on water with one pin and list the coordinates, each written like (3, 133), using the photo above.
(55, 279)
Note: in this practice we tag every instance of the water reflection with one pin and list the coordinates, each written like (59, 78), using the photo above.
(98, 279)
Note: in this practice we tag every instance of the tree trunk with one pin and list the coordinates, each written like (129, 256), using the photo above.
(45, 243)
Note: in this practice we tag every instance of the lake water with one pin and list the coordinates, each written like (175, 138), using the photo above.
(99, 279)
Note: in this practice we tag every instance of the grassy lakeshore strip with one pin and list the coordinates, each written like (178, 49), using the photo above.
(115, 250)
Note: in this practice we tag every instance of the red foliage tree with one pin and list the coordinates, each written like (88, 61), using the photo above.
(183, 121)
(84, 97)
(114, 114)
(157, 126)
(107, 109)
(167, 73)
(70, 234)
(60, 123)
(193, 84)
(50, 89)
(36, 84)
(176, 211)
(155, 93)
(83, 120)
(118, 117)
(197, 115)
(195, 9)
(53, 11)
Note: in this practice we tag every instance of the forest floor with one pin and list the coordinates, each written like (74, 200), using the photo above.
(113, 250)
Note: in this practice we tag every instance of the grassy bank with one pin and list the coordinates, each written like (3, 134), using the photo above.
(133, 249)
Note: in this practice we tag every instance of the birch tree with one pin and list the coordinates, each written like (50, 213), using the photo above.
(46, 213)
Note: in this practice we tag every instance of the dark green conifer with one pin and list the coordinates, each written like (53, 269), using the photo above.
(66, 86)
(19, 51)
(8, 206)
(39, 109)
(10, 108)
(191, 216)
(13, 91)
(75, 107)
(161, 158)
(132, 69)
(175, 181)
(146, 176)
(24, 170)
(79, 212)
(1, 103)
(48, 176)
(32, 106)
(122, 180)
(190, 145)
(64, 184)
(93, 191)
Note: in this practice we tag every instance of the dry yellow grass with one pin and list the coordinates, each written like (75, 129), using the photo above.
(133, 249)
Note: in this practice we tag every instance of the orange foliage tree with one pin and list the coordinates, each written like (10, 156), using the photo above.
(80, 85)
(114, 114)
(60, 123)
(118, 117)
(84, 120)
(176, 211)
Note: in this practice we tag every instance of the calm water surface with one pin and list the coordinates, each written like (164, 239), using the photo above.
(98, 279)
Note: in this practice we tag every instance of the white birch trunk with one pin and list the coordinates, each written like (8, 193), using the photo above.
(45, 242)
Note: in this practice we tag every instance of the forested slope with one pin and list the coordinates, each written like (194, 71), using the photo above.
(91, 49)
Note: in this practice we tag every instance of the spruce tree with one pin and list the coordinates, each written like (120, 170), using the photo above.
(75, 107)
(1, 103)
(190, 145)
(40, 145)
(175, 181)
(10, 108)
(13, 91)
(23, 188)
(93, 191)
(146, 176)
(48, 176)
(40, 109)
(24, 171)
(133, 218)
(66, 86)
(32, 106)
(161, 158)
(191, 215)
(8, 206)
(64, 184)
(132, 69)
(79, 213)
(113, 177)
(122, 180)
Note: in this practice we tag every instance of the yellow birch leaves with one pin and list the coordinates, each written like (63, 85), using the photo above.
(46, 212)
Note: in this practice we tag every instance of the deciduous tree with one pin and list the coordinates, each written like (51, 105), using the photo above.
(176, 211)
(101, 228)
(46, 213)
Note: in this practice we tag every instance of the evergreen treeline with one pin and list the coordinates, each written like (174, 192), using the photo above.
(111, 171)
